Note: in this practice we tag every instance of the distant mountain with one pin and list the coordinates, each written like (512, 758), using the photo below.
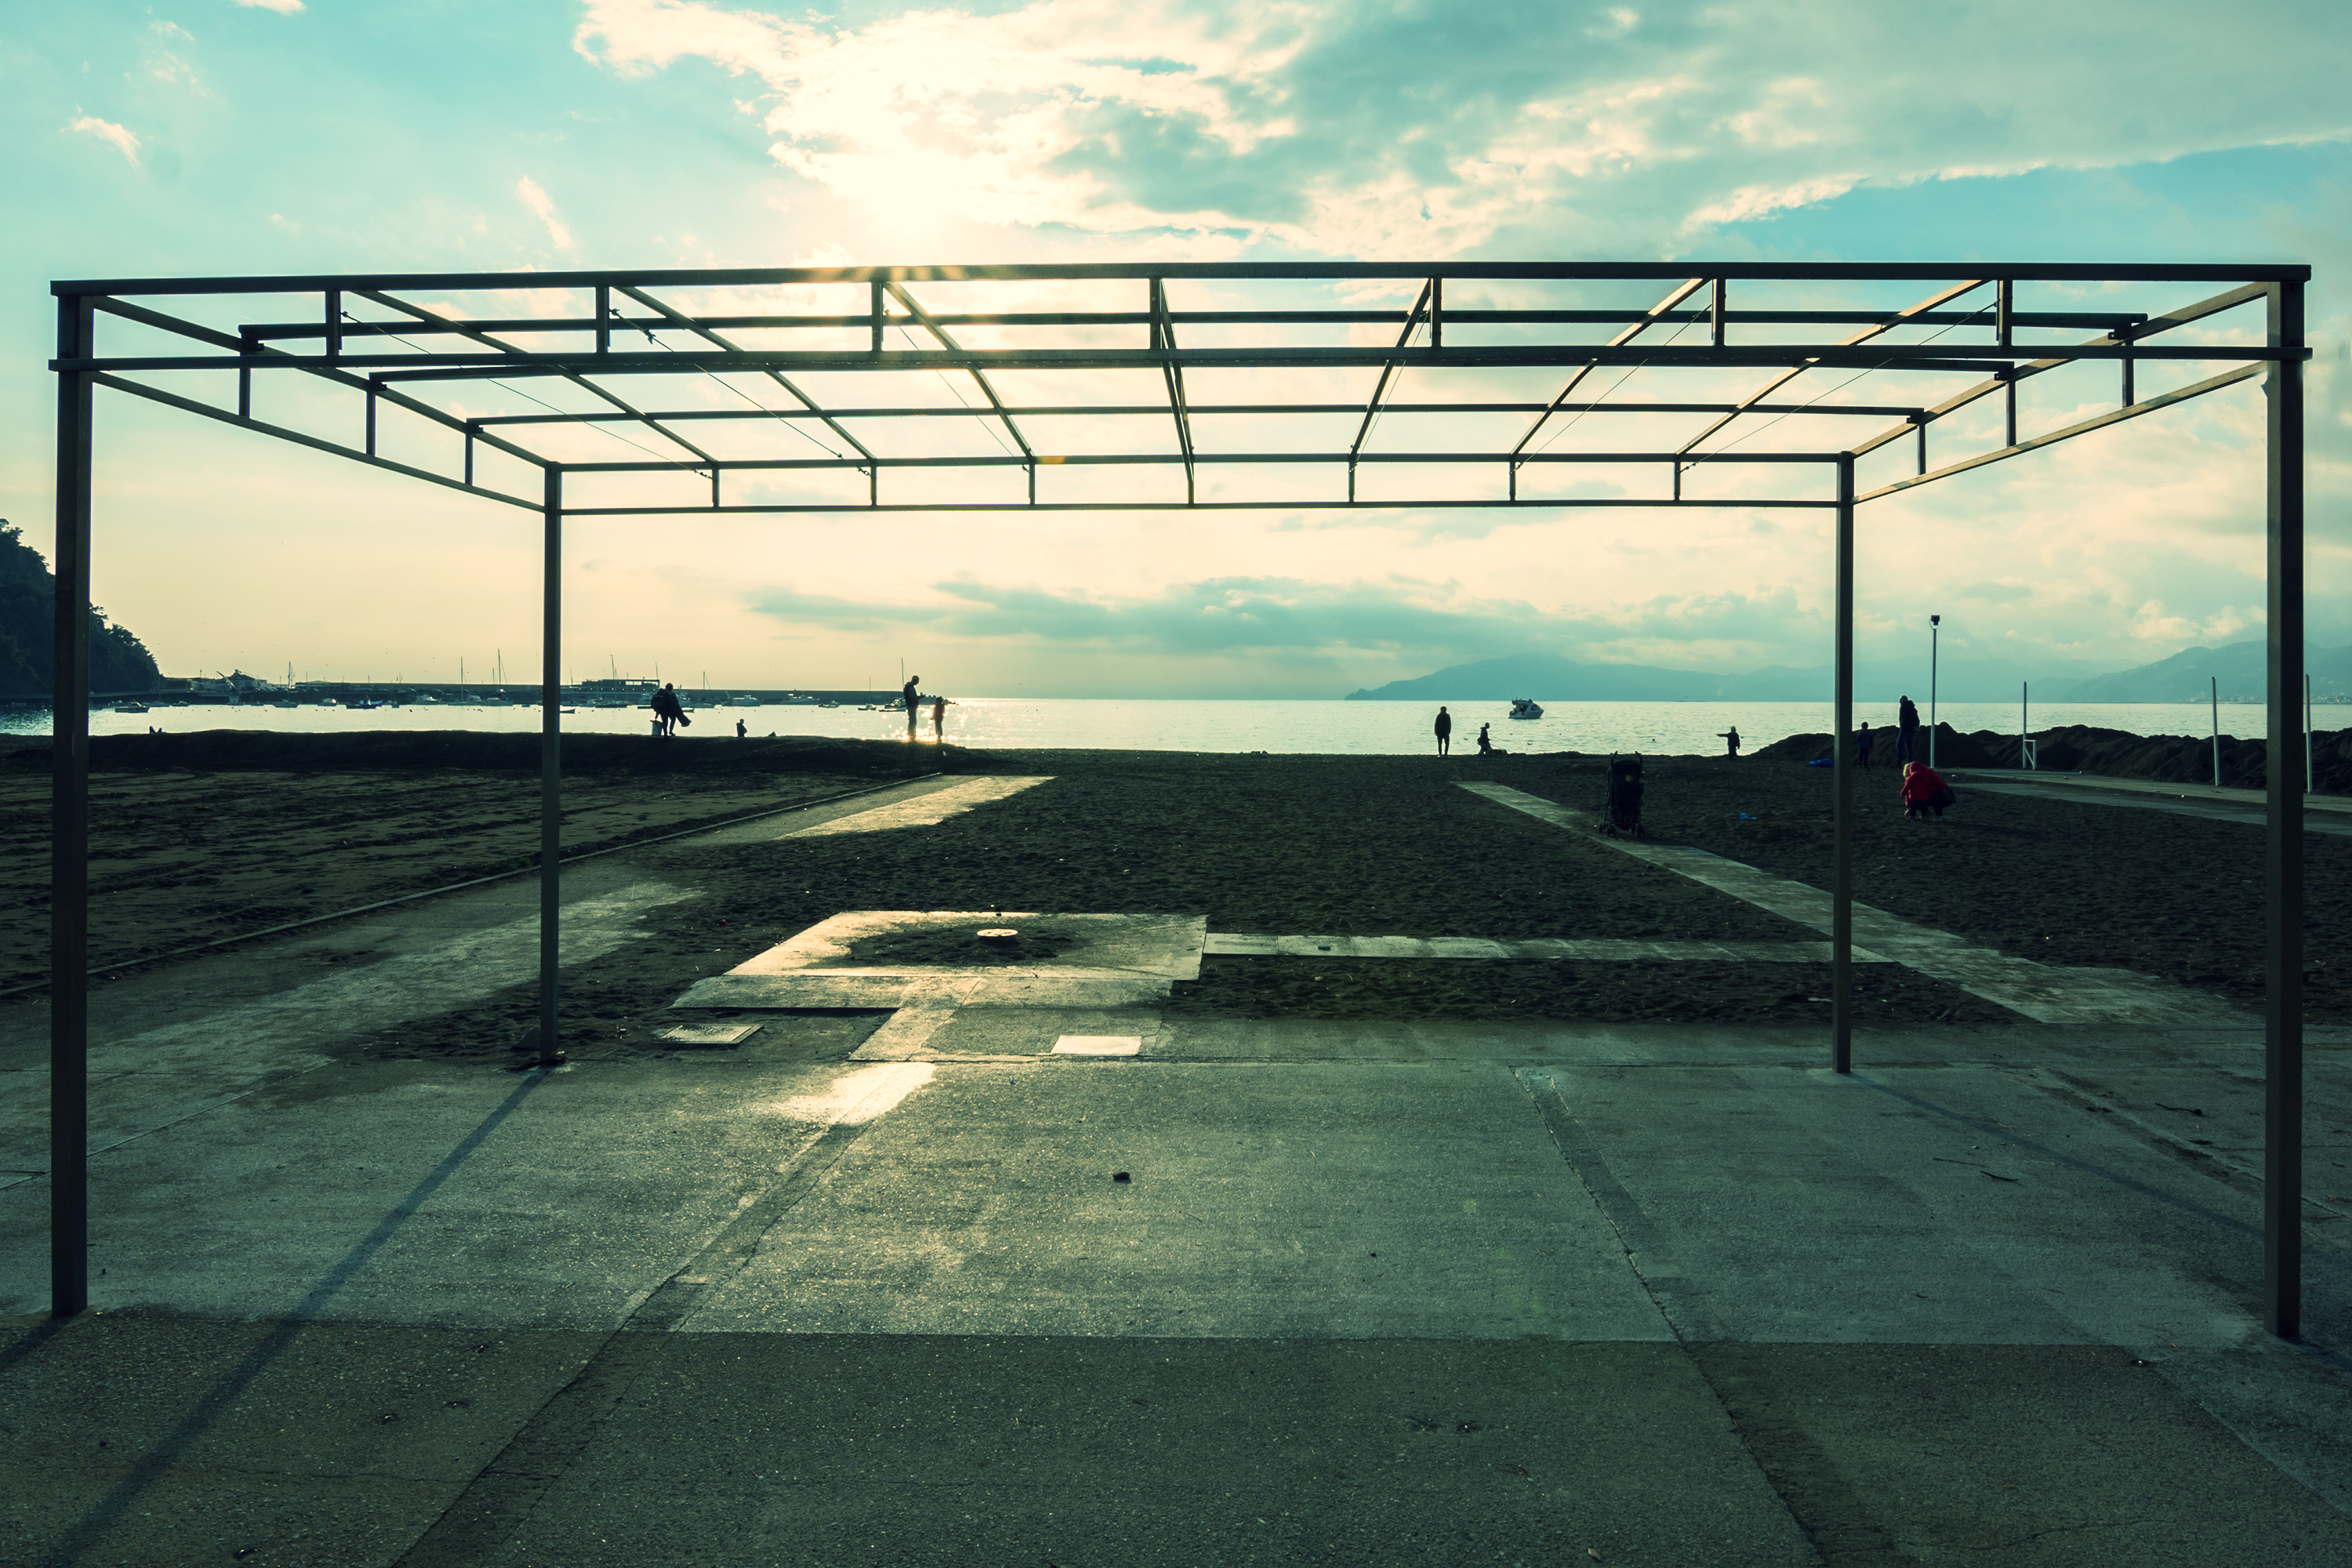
(1549, 678)
(2241, 666)
(28, 614)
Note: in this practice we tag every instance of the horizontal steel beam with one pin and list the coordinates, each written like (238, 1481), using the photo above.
(1579, 504)
(2009, 374)
(1867, 334)
(273, 332)
(1304, 271)
(324, 370)
(1160, 410)
(2116, 416)
(189, 405)
(1115, 459)
(1967, 357)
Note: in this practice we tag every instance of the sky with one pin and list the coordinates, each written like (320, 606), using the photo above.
(302, 136)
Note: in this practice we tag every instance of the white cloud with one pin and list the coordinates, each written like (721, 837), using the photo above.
(286, 8)
(540, 202)
(120, 138)
(1376, 131)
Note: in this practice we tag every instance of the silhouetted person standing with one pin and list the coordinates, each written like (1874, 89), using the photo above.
(939, 705)
(1863, 742)
(1730, 739)
(1444, 731)
(909, 692)
(1907, 731)
(667, 709)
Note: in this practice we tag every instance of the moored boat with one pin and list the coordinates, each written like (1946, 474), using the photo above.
(1525, 708)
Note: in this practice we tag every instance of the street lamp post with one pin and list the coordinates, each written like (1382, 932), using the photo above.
(1935, 630)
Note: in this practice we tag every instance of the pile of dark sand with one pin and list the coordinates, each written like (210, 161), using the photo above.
(2115, 754)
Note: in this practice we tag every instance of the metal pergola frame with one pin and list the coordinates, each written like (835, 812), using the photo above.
(365, 336)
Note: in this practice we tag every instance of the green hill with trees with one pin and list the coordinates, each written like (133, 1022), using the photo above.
(119, 661)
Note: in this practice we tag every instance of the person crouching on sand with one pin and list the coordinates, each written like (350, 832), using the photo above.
(1924, 790)
(1485, 742)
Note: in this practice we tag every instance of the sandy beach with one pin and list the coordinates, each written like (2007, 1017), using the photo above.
(216, 836)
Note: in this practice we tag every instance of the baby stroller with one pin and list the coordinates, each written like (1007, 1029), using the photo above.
(1621, 814)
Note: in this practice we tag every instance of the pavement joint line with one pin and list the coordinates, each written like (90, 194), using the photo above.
(2041, 991)
(2215, 1162)
(1551, 949)
(1647, 1252)
(1815, 1492)
(504, 1493)
(110, 1510)
(2076, 1162)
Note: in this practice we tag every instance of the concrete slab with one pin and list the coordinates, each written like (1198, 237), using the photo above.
(2044, 993)
(1916, 1206)
(157, 1077)
(174, 1440)
(1102, 960)
(2067, 1456)
(1363, 1201)
(1163, 1453)
(405, 1193)
(1545, 950)
(927, 810)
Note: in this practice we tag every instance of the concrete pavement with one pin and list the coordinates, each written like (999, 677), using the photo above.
(1369, 1293)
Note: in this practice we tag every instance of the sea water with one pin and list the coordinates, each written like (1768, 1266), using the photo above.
(1179, 725)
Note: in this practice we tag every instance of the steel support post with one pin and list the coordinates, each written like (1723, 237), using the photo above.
(69, 831)
(1841, 784)
(2282, 834)
(550, 760)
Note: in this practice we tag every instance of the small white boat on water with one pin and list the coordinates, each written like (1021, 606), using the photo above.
(1525, 708)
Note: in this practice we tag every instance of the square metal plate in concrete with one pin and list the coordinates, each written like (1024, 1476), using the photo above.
(877, 958)
(1098, 1045)
(710, 1034)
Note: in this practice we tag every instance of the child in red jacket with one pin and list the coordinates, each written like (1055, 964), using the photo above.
(1924, 790)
